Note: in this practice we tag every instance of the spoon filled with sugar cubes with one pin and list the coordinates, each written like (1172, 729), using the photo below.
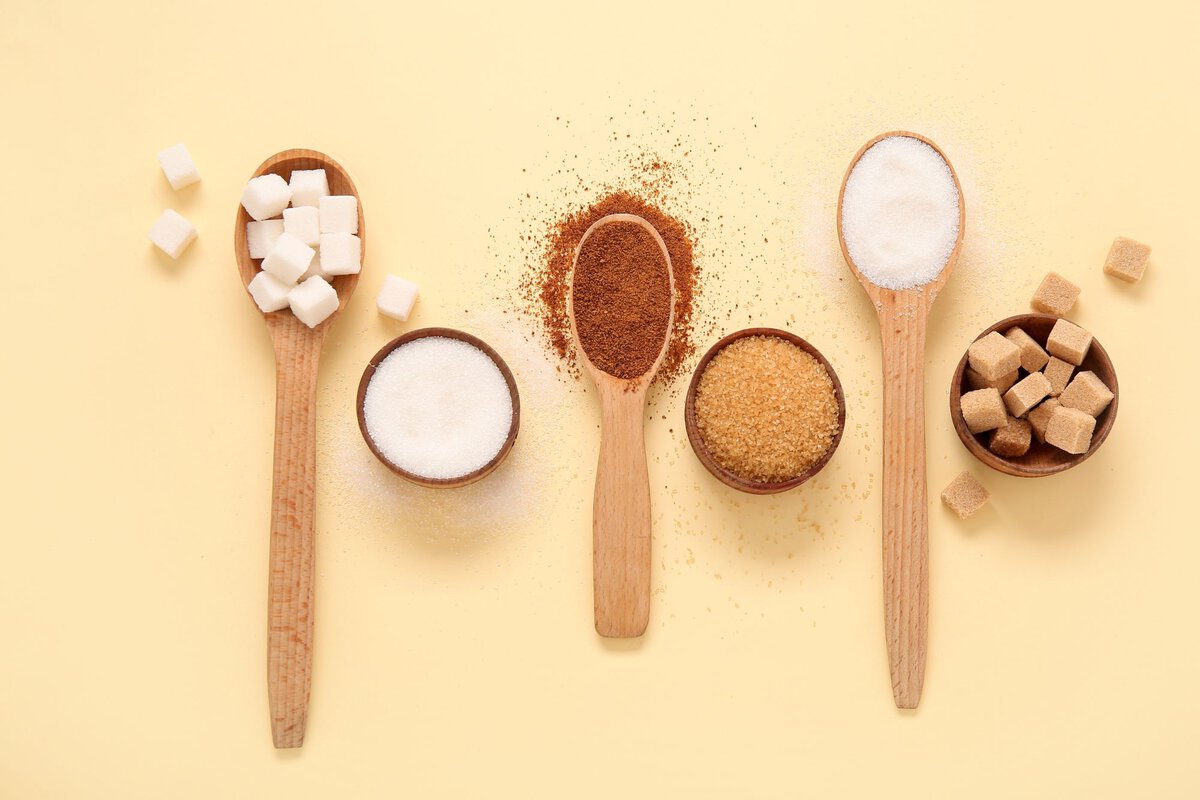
(298, 244)
(900, 222)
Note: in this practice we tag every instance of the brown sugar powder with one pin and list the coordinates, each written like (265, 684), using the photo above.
(621, 293)
(766, 409)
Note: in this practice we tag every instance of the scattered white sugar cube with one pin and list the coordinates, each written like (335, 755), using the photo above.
(341, 254)
(171, 233)
(308, 187)
(178, 166)
(289, 258)
(396, 298)
(339, 214)
(261, 236)
(270, 293)
(303, 223)
(313, 301)
(266, 196)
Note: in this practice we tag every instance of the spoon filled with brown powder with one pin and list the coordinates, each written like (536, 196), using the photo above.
(621, 307)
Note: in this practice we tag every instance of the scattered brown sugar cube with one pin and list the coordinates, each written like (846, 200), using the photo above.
(993, 356)
(982, 410)
(965, 495)
(977, 381)
(1127, 259)
(1033, 357)
(1039, 417)
(1069, 342)
(1059, 372)
(1012, 439)
(1056, 295)
(1087, 393)
(1027, 393)
(1070, 429)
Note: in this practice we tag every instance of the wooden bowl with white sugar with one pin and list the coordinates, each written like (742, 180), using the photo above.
(1042, 459)
(451, 391)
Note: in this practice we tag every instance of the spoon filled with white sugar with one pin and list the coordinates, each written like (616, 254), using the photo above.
(298, 315)
(900, 223)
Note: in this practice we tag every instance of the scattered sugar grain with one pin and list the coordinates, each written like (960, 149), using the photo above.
(438, 407)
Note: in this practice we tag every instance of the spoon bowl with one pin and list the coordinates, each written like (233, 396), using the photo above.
(621, 508)
(903, 314)
(293, 497)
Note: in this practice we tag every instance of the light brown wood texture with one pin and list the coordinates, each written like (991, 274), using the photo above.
(1042, 459)
(621, 507)
(902, 320)
(290, 579)
(701, 450)
(449, 333)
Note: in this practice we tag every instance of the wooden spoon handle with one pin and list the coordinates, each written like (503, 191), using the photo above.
(290, 592)
(905, 514)
(621, 516)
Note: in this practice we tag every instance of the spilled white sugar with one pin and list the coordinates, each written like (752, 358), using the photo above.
(438, 407)
(900, 213)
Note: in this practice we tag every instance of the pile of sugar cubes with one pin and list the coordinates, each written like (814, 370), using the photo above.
(171, 232)
(1050, 403)
(304, 236)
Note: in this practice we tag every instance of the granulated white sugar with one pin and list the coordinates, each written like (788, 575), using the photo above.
(438, 407)
(900, 213)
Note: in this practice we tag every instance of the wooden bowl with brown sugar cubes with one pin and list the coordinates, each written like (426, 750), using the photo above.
(1034, 394)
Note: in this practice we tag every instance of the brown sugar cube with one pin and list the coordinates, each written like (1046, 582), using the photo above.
(993, 356)
(1059, 372)
(965, 495)
(1069, 342)
(1056, 295)
(1039, 417)
(977, 381)
(1070, 429)
(1087, 393)
(1033, 357)
(1027, 393)
(1011, 440)
(1127, 259)
(982, 410)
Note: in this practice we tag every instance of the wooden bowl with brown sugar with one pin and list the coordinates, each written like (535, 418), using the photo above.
(1042, 459)
(710, 463)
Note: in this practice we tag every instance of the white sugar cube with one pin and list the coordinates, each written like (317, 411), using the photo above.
(289, 258)
(313, 301)
(339, 214)
(270, 293)
(266, 196)
(171, 233)
(303, 223)
(396, 298)
(308, 187)
(261, 236)
(314, 268)
(341, 254)
(178, 166)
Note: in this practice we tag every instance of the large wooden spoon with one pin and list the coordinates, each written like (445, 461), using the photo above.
(297, 354)
(902, 319)
(621, 509)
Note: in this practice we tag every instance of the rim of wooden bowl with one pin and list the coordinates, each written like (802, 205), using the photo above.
(701, 450)
(1042, 459)
(462, 336)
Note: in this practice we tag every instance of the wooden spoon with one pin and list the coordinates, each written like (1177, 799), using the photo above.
(902, 320)
(297, 353)
(621, 509)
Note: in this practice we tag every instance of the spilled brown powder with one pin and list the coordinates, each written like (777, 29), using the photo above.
(766, 409)
(621, 294)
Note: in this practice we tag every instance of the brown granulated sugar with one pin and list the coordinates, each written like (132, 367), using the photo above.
(621, 294)
(766, 410)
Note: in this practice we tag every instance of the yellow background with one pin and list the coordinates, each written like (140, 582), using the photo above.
(454, 649)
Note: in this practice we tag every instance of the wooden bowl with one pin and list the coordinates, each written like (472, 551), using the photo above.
(448, 333)
(1042, 459)
(693, 431)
